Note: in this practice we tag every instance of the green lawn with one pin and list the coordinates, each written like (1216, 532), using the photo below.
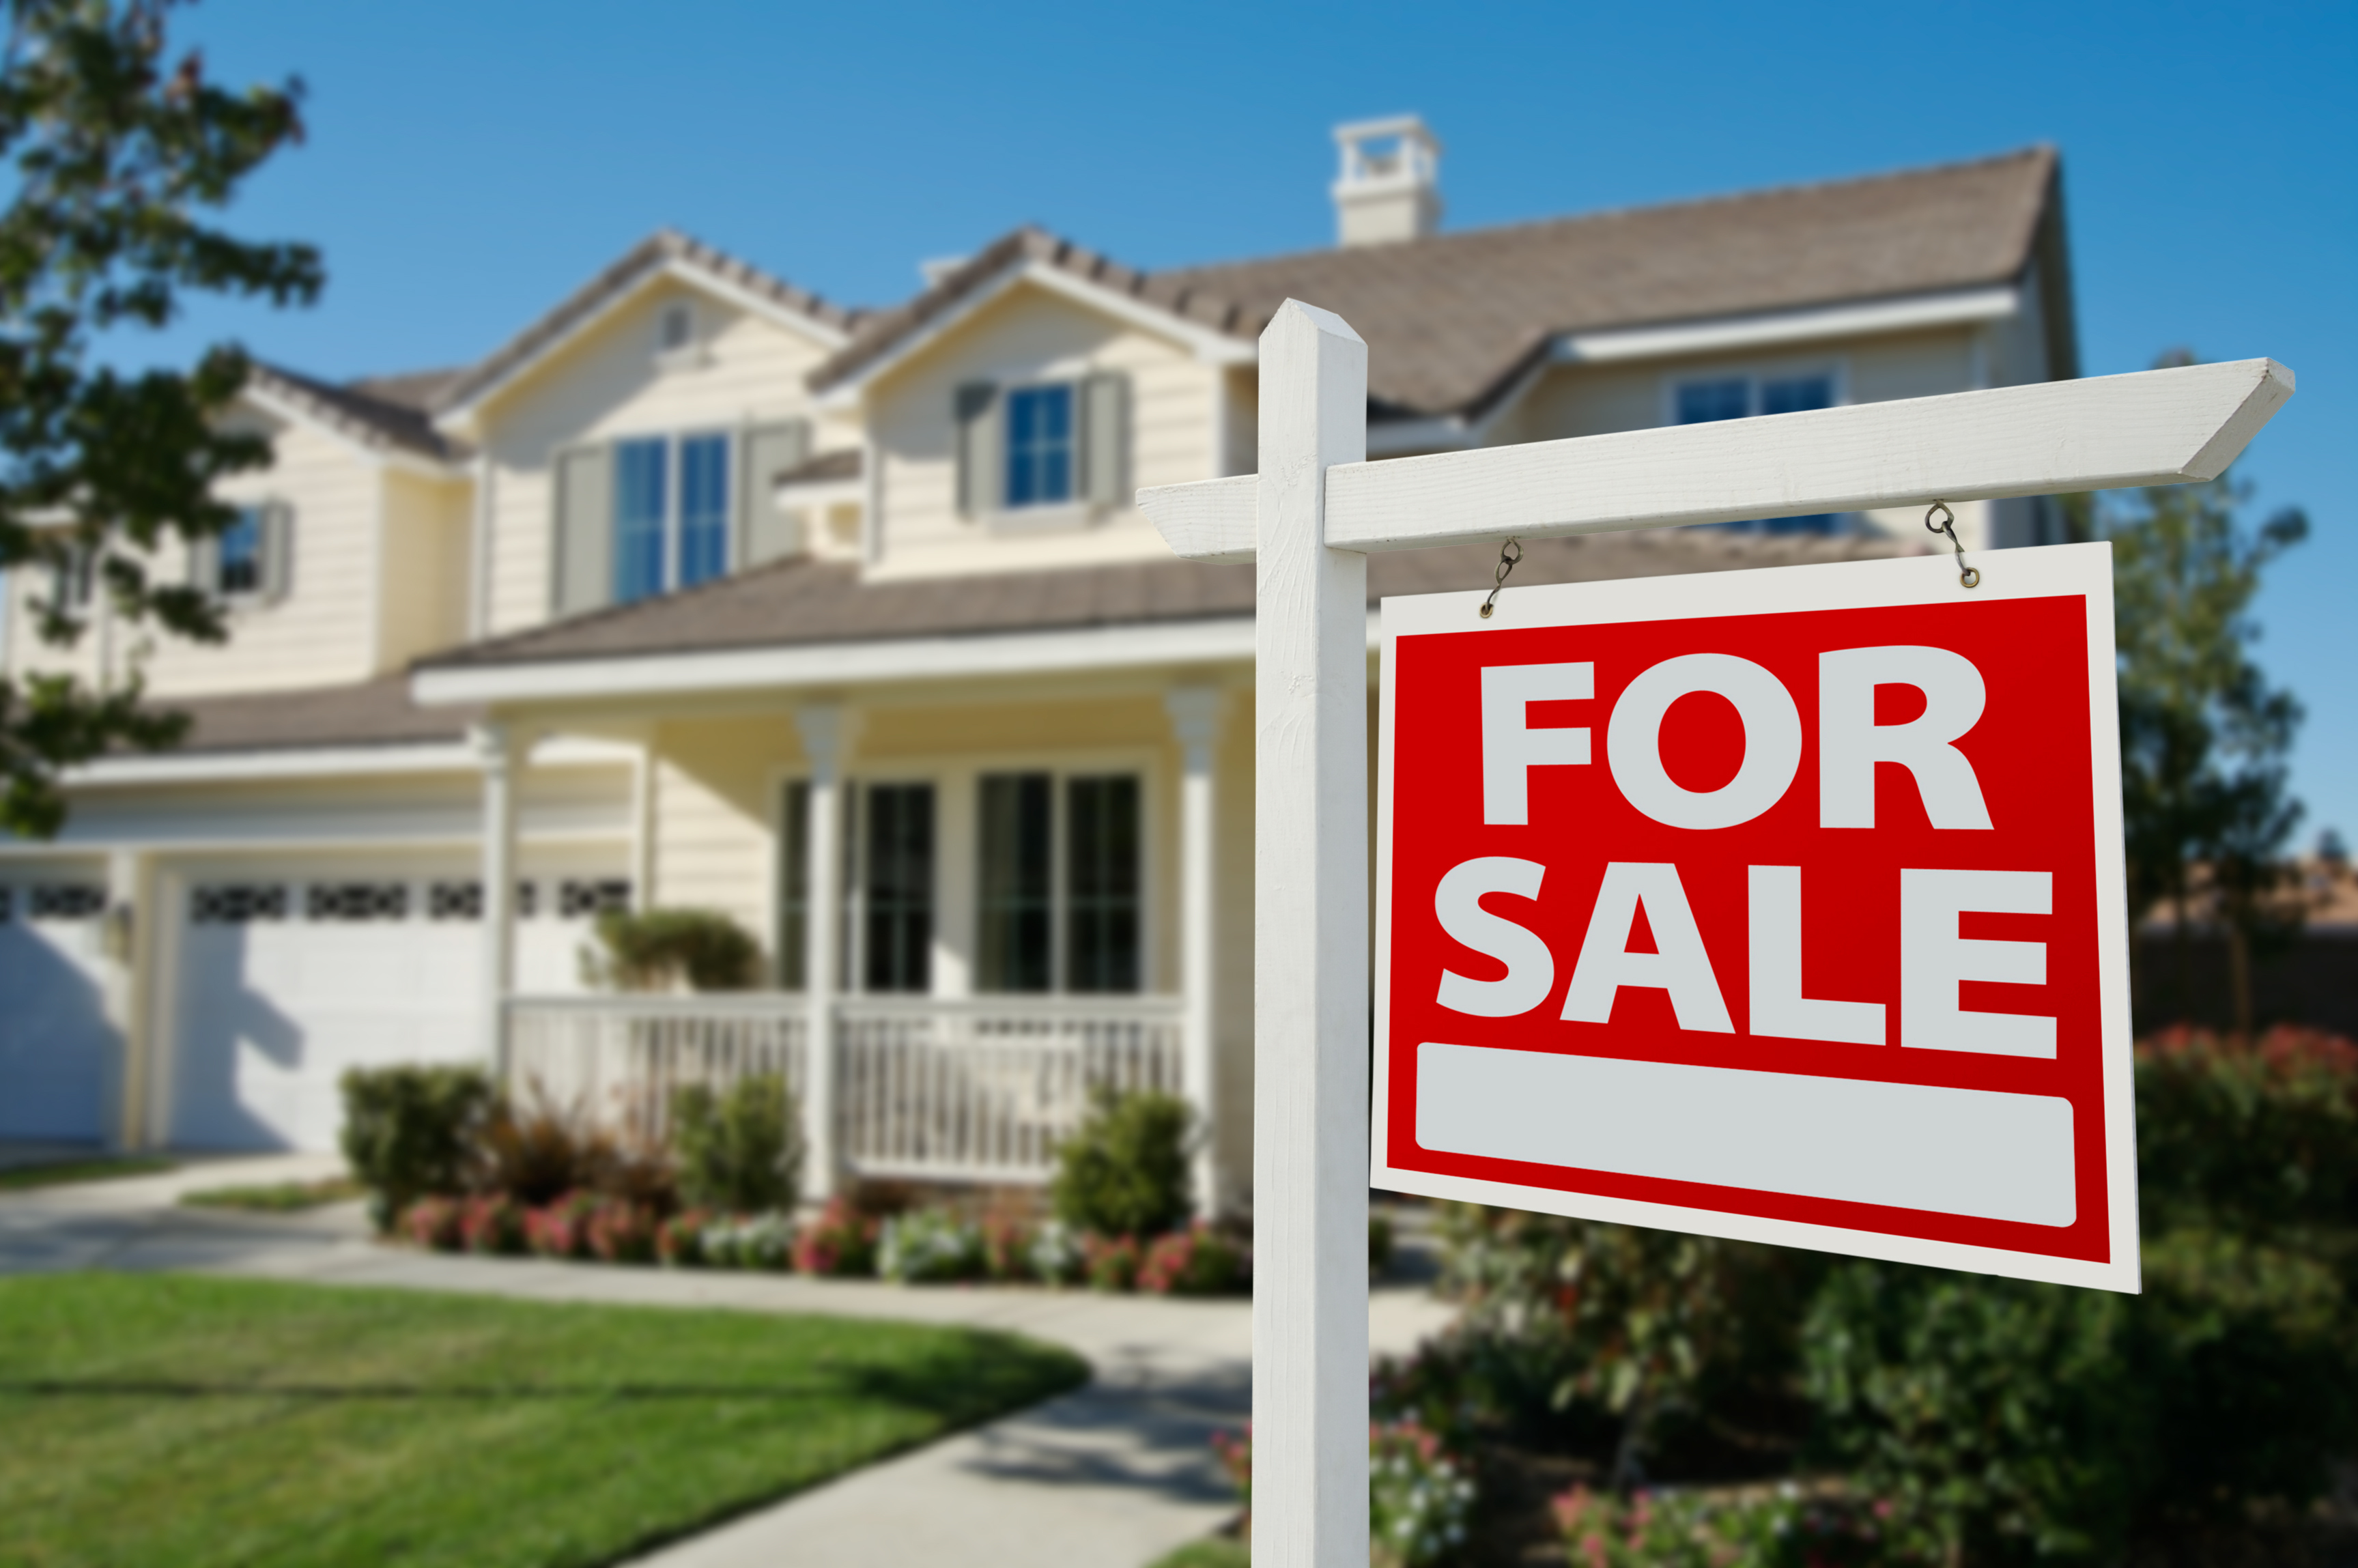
(98, 1168)
(165, 1422)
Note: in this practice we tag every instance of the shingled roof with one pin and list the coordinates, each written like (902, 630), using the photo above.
(1451, 320)
(388, 413)
(368, 713)
(801, 601)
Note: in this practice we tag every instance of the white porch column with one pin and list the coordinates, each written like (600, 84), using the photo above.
(1310, 958)
(1195, 713)
(827, 731)
(495, 744)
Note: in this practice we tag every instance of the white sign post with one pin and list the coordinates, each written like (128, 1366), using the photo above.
(1308, 519)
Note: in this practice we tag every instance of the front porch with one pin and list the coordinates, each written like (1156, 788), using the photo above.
(976, 1089)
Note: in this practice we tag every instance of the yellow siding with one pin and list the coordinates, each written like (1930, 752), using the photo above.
(610, 384)
(715, 844)
(424, 585)
(1029, 335)
(322, 634)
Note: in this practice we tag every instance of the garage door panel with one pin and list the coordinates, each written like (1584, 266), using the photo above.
(57, 1050)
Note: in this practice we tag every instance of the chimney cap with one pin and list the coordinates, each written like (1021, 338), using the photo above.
(1388, 186)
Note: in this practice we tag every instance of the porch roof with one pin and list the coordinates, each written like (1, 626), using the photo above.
(802, 602)
(376, 712)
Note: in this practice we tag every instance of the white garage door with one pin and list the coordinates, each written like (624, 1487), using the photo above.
(285, 983)
(56, 1051)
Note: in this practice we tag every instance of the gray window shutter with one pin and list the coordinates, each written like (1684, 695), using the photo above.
(583, 567)
(976, 407)
(277, 551)
(204, 565)
(768, 533)
(1104, 437)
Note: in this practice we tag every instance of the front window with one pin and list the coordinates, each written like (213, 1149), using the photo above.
(1039, 446)
(897, 890)
(1094, 897)
(241, 554)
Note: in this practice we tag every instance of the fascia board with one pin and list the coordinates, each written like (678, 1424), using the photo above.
(1952, 307)
(464, 418)
(1443, 431)
(842, 664)
(331, 762)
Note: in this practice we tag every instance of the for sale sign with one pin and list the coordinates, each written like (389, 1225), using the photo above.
(1785, 905)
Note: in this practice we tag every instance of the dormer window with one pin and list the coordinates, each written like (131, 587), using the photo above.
(252, 560)
(240, 556)
(1040, 446)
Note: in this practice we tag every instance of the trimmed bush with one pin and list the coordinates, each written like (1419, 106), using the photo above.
(762, 1241)
(737, 1151)
(1123, 1172)
(655, 948)
(408, 1132)
(1053, 1255)
(841, 1242)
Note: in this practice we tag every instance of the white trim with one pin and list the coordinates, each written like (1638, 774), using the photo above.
(847, 663)
(332, 761)
(1769, 328)
(207, 849)
(1208, 346)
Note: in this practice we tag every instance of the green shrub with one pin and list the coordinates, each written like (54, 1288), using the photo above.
(2011, 1420)
(408, 1132)
(1123, 1172)
(738, 1150)
(653, 949)
(931, 1246)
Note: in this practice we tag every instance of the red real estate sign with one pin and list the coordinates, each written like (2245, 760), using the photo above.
(1785, 905)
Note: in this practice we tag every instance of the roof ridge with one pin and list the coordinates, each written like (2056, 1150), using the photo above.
(1688, 203)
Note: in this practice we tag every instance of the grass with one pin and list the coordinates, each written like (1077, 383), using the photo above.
(100, 1169)
(277, 1198)
(183, 1423)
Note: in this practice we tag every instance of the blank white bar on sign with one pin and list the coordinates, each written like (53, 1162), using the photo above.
(1965, 1152)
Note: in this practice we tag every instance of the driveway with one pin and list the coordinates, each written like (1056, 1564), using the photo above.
(1115, 1474)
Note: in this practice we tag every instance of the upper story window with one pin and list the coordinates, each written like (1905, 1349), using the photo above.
(1708, 399)
(252, 560)
(1702, 401)
(1043, 451)
(241, 554)
(1040, 445)
(72, 581)
(670, 513)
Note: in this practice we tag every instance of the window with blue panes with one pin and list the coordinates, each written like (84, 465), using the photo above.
(703, 509)
(1741, 397)
(239, 552)
(642, 495)
(1039, 446)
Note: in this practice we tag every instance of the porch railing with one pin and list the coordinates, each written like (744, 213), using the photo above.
(977, 1089)
(618, 1058)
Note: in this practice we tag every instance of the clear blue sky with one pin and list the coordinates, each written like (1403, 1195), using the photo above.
(468, 164)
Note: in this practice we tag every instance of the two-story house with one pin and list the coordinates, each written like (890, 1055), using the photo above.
(704, 592)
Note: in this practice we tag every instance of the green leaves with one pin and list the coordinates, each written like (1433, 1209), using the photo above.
(1123, 1172)
(119, 158)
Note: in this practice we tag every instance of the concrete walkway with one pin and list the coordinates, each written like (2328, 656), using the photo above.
(1115, 1474)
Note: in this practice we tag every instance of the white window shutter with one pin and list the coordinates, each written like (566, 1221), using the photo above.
(767, 533)
(975, 407)
(277, 551)
(581, 570)
(1104, 438)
